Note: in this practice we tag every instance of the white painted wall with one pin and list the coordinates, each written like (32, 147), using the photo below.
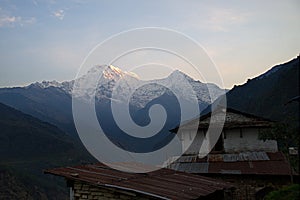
(249, 141)
(186, 138)
(71, 193)
(232, 143)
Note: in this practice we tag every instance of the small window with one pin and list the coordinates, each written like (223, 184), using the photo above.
(205, 132)
(219, 147)
(241, 133)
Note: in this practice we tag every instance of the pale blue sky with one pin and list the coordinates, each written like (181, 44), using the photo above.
(48, 40)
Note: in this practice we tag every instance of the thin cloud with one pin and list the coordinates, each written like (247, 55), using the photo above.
(12, 21)
(9, 20)
(26, 21)
(60, 14)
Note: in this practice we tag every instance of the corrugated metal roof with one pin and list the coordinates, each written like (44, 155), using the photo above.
(256, 163)
(188, 158)
(246, 156)
(253, 167)
(190, 167)
(163, 183)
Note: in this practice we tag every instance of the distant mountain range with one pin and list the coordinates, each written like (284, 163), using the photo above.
(51, 101)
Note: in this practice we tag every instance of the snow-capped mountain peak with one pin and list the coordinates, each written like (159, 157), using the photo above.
(178, 75)
(46, 84)
(112, 78)
(66, 86)
(111, 72)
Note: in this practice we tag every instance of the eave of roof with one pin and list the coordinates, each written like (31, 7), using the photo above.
(232, 125)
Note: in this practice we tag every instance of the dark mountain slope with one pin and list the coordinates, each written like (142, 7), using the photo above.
(28, 146)
(24, 136)
(268, 94)
(50, 104)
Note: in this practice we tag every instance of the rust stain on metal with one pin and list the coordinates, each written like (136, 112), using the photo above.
(215, 158)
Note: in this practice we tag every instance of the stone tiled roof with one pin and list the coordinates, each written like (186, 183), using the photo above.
(227, 118)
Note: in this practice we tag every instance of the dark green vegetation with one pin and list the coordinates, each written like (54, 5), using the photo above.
(291, 192)
(287, 136)
(28, 146)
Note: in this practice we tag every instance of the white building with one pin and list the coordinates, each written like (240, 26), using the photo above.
(240, 133)
(226, 145)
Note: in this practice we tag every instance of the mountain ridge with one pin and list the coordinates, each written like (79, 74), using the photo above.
(112, 75)
(268, 94)
(51, 101)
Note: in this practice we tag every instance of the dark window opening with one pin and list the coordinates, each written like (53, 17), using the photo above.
(241, 133)
(204, 132)
(219, 147)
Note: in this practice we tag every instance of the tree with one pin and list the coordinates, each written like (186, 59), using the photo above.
(290, 192)
(286, 135)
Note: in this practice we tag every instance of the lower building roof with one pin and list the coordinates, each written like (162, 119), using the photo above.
(162, 183)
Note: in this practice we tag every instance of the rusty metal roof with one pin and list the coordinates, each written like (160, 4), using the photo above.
(243, 156)
(250, 167)
(163, 183)
(254, 163)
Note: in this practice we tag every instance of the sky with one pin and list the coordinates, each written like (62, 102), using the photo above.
(49, 39)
